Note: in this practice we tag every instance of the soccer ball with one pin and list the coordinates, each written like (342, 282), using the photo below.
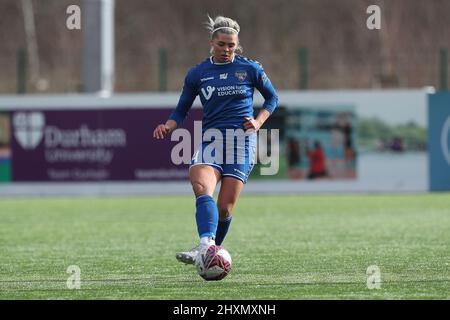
(214, 263)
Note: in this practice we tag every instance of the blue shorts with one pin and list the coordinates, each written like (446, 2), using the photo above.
(232, 156)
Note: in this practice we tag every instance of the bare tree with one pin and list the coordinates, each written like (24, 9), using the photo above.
(31, 41)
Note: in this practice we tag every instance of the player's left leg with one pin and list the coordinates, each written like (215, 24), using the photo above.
(230, 190)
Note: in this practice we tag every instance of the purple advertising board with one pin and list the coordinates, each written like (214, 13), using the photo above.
(94, 145)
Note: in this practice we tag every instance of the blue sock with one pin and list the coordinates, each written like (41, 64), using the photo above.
(207, 216)
(222, 229)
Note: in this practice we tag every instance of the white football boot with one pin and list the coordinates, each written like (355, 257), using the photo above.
(188, 257)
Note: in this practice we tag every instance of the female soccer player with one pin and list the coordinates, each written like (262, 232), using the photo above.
(225, 82)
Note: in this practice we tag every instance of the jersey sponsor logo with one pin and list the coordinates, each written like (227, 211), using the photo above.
(241, 75)
(223, 76)
(29, 129)
(206, 79)
(208, 94)
(231, 90)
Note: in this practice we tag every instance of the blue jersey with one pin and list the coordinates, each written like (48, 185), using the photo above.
(226, 92)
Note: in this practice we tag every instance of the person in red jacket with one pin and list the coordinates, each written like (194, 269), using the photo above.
(317, 162)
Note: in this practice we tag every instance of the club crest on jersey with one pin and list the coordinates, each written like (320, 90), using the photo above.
(241, 75)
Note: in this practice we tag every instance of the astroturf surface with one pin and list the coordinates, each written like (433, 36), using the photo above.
(283, 247)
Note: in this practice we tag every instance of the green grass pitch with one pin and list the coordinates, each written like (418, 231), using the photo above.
(283, 247)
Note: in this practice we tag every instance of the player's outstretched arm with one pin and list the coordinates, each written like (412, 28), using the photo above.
(163, 129)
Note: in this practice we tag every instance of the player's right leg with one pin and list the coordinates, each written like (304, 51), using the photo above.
(204, 179)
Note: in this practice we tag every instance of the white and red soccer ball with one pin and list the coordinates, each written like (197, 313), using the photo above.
(214, 263)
